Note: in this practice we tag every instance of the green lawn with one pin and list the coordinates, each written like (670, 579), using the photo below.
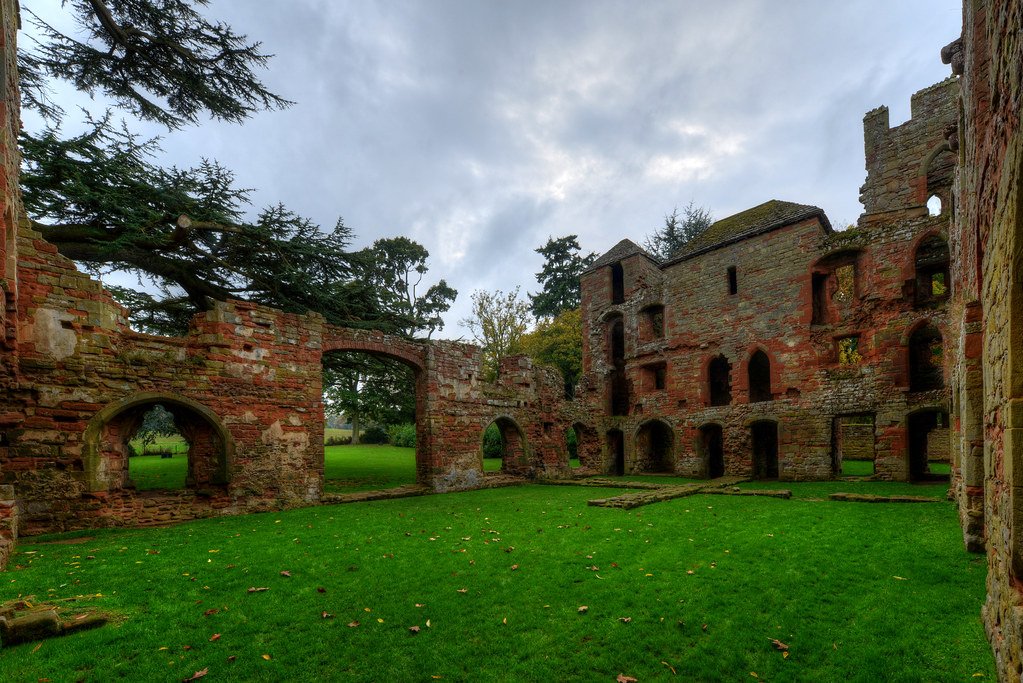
(495, 580)
(368, 468)
(155, 472)
(857, 468)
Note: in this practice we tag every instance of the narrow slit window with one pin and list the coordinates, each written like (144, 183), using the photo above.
(733, 281)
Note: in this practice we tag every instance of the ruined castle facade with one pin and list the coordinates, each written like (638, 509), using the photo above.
(772, 346)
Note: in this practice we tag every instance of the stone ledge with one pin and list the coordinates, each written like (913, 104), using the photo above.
(870, 498)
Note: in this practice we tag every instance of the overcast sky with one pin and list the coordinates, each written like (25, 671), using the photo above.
(481, 128)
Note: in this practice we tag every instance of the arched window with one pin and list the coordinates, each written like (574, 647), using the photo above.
(719, 377)
(926, 359)
(931, 261)
(618, 385)
(759, 377)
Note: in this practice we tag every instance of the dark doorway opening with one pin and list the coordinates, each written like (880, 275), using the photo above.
(928, 439)
(616, 449)
(765, 449)
(619, 383)
(654, 446)
(711, 438)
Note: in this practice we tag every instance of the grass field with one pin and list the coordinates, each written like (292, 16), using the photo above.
(496, 579)
(367, 468)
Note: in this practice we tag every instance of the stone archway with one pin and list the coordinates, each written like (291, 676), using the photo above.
(106, 448)
(655, 448)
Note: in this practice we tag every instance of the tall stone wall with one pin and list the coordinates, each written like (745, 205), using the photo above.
(988, 309)
(798, 292)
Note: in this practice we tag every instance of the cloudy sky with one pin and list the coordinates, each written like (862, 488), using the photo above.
(481, 128)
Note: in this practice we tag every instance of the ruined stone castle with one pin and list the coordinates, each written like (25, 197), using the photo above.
(771, 346)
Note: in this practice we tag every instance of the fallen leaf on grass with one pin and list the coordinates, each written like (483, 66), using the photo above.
(514, 567)
(413, 629)
(232, 658)
(900, 578)
(427, 623)
(37, 647)
(353, 624)
(257, 590)
(785, 655)
(625, 619)
(418, 605)
(216, 637)
(778, 645)
(212, 610)
(326, 615)
(286, 573)
(321, 590)
(463, 590)
(670, 667)
(622, 678)
(197, 674)
(583, 609)
(379, 620)
(266, 657)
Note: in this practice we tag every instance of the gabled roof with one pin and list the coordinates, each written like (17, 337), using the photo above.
(620, 252)
(766, 217)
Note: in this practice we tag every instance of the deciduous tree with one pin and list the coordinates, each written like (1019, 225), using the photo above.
(498, 322)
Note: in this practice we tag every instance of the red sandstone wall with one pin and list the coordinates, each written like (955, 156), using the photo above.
(988, 243)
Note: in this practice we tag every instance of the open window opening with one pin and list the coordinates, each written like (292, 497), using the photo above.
(926, 359)
(619, 399)
(719, 377)
(764, 438)
(651, 323)
(733, 281)
(845, 280)
(654, 377)
(158, 457)
(934, 205)
(504, 446)
(852, 445)
(616, 452)
(371, 407)
(759, 369)
(928, 440)
(583, 447)
(617, 284)
(711, 440)
(932, 274)
(848, 350)
(833, 281)
(655, 444)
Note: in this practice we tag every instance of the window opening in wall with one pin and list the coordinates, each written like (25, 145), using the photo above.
(759, 377)
(932, 278)
(504, 446)
(720, 379)
(733, 281)
(618, 384)
(845, 276)
(934, 205)
(852, 445)
(158, 457)
(764, 436)
(928, 440)
(617, 284)
(849, 351)
(654, 377)
(652, 323)
(711, 440)
(583, 447)
(926, 359)
(654, 448)
(820, 298)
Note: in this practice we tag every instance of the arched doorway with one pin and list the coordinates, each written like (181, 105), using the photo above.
(764, 438)
(107, 444)
(504, 446)
(712, 450)
(587, 447)
(655, 446)
(759, 368)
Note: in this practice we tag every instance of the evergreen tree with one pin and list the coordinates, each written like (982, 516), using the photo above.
(559, 277)
(678, 230)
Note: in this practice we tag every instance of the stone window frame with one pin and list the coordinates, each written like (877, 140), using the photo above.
(771, 374)
(709, 379)
(617, 283)
(94, 465)
(922, 277)
(513, 454)
(654, 377)
(857, 349)
(733, 281)
(652, 323)
(825, 308)
(906, 345)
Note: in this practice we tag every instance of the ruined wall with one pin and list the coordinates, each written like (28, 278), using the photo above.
(777, 280)
(244, 384)
(10, 113)
(988, 366)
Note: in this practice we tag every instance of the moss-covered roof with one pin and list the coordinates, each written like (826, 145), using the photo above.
(766, 217)
(620, 252)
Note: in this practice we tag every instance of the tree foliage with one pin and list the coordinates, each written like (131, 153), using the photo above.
(160, 60)
(498, 322)
(559, 277)
(559, 342)
(678, 229)
(157, 422)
